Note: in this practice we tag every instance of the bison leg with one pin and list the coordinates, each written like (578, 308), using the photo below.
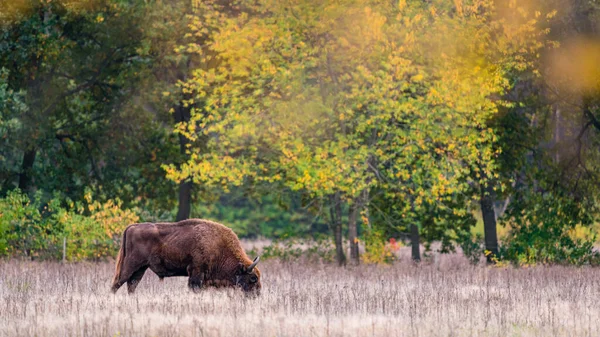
(135, 279)
(116, 286)
(196, 278)
(128, 271)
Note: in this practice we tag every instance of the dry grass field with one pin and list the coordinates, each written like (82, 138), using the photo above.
(446, 298)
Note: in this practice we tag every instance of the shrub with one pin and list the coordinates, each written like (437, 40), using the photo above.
(542, 230)
(377, 250)
(25, 231)
(472, 246)
(32, 229)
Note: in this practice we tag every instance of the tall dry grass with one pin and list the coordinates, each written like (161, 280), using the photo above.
(446, 298)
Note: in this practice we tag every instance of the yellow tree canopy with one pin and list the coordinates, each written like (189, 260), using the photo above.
(333, 97)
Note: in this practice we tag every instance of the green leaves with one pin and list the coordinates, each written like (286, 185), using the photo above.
(543, 228)
(34, 229)
(71, 69)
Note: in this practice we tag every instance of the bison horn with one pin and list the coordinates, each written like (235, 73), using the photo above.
(254, 263)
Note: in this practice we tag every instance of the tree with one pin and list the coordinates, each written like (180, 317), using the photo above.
(554, 191)
(166, 24)
(330, 99)
(77, 65)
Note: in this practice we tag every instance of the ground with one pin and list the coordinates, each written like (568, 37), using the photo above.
(442, 297)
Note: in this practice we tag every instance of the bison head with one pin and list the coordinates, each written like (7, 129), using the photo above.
(248, 277)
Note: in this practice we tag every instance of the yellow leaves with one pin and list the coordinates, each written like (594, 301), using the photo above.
(401, 4)
(290, 155)
(305, 179)
(433, 11)
(344, 43)
(409, 38)
(88, 196)
(417, 78)
(302, 105)
(403, 175)
(92, 236)
(459, 7)
(417, 18)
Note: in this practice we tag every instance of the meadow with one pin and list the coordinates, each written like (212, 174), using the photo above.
(444, 296)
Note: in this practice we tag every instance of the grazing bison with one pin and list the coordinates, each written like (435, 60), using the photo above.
(208, 252)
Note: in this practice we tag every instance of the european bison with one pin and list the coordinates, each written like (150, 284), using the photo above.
(208, 252)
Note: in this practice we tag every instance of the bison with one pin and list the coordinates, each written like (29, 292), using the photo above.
(209, 253)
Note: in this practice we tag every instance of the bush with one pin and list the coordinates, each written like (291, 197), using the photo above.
(92, 228)
(377, 249)
(95, 236)
(24, 230)
(472, 246)
(542, 230)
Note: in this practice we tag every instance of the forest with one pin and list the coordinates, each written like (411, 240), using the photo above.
(355, 126)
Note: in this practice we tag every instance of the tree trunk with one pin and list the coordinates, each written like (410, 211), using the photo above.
(185, 200)
(336, 223)
(489, 222)
(415, 242)
(355, 210)
(353, 233)
(557, 135)
(27, 165)
(183, 114)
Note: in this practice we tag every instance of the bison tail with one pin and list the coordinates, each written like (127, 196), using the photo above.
(120, 258)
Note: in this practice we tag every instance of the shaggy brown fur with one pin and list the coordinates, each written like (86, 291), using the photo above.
(205, 251)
